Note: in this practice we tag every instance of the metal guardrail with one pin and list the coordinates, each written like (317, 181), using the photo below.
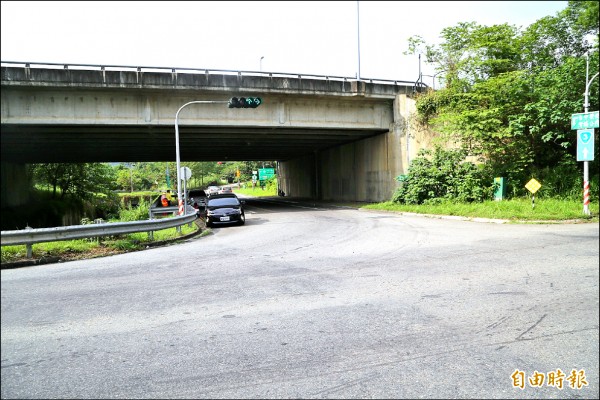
(103, 67)
(164, 210)
(30, 236)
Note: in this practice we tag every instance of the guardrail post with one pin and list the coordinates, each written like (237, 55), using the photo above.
(29, 247)
(162, 210)
(150, 233)
(98, 221)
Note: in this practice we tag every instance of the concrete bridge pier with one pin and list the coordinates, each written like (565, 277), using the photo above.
(364, 170)
(15, 184)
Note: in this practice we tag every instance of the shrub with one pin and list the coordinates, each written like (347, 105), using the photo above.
(444, 174)
(139, 213)
(271, 184)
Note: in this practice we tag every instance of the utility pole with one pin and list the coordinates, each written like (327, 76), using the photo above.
(358, 35)
(586, 106)
(234, 102)
(131, 176)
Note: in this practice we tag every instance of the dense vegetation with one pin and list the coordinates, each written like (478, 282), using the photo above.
(507, 99)
(444, 175)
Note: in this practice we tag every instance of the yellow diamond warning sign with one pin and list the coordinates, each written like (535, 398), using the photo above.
(533, 185)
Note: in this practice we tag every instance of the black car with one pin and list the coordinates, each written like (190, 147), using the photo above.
(224, 209)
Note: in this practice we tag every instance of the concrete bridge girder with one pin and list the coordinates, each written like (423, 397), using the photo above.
(126, 127)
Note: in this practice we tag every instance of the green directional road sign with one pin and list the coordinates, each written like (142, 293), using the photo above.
(584, 120)
(585, 145)
(265, 173)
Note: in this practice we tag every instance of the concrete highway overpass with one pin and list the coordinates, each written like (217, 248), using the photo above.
(334, 138)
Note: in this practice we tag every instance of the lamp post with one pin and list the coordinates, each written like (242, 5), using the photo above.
(131, 176)
(586, 103)
(358, 35)
(261, 58)
(433, 76)
(586, 106)
(179, 198)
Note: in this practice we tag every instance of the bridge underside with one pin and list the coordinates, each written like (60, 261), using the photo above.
(333, 139)
(126, 143)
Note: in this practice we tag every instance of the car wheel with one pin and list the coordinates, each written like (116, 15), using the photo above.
(209, 224)
(242, 219)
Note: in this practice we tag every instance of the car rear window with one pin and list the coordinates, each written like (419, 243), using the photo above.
(223, 201)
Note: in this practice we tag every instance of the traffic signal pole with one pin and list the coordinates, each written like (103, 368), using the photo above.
(234, 102)
(179, 197)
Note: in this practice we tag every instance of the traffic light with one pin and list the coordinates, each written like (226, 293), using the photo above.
(245, 102)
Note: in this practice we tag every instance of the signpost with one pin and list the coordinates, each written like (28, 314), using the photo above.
(584, 120)
(254, 178)
(533, 186)
(265, 173)
(585, 149)
(583, 123)
(585, 145)
(585, 153)
(186, 174)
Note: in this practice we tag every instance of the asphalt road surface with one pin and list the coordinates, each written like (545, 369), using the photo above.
(314, 302)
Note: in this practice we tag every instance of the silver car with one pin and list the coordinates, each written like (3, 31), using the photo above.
(212, 190)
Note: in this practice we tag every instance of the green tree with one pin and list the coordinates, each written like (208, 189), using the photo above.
(203, 173)
(78, 180)
(509, 94)
(128, 178)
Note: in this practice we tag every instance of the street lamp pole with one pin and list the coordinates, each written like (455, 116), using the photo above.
(131, 176)
(433, 76)
(261, 58)
(179, 198)
(358, 34)
(586, 106)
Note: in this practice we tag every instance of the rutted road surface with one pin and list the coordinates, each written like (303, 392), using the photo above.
(314, 302)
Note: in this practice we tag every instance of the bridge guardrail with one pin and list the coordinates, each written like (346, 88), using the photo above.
(30, 236)
(103, 67)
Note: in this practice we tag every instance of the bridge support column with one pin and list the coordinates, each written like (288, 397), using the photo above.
(298, 178)
(401, 131)
(364, 170)
(15, 184)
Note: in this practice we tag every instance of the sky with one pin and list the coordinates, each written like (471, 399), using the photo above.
(295, 37)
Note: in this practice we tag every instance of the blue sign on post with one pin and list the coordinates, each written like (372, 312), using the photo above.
(585, 145)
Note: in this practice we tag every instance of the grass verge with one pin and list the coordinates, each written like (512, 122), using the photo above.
(256, 192)
(512, 210)
(91, 248)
